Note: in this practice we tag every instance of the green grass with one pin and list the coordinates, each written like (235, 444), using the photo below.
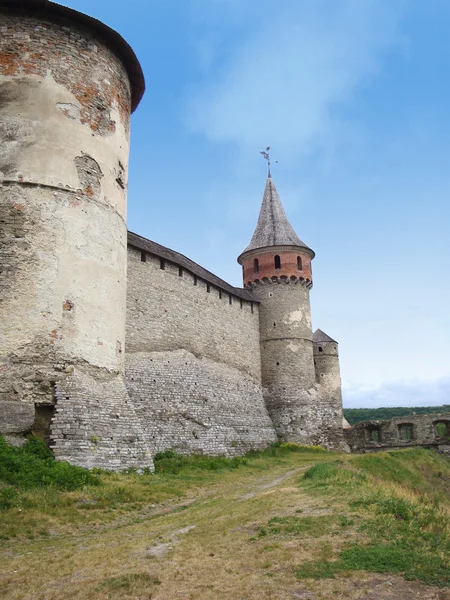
(33, 466)
(398, 497)
(127, 583)
(39, 494)
(294, 526)
(169, 462)
(386, 512)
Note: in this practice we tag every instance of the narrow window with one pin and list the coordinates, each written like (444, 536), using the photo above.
(256, 265)
(143, 256)
(195, 280)
(277, 262)
(162, 264)
(442, 429)
(180, 271)
(220, 294)
(373, 434)
(231, 299)
(251, 306)
(405, 432)
(208, 288)
(299, 263)
(240, 302)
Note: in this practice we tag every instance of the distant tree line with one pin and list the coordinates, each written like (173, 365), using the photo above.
(357, 415)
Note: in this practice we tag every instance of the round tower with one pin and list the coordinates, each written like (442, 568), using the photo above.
(326, 362)
(328, 376)
(277, 268)
(68, 84)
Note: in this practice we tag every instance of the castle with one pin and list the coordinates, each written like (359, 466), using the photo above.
(113, 347)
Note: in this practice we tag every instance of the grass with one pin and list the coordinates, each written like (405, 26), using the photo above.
(398, 498)
(128, 582)
(257, 526)
(34, 488)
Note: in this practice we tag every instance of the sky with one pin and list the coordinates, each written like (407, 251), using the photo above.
(353, 98)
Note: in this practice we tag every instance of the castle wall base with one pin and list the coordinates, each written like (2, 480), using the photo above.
(305, 419)
(95, 424)
(192, 404)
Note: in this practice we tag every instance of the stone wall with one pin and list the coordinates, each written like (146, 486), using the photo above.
(95, 424)
(401, 432)
(193, 361)
(171, 309)
(194, 404)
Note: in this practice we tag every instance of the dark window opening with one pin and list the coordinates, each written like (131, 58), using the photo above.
(442, 430)
(241, 302)
(180, 271)
(277, 262)
(162, 264)
(405, 432)
(231, 299)
(220, 294)
(251, 306)
(208, 288)
(373, 434)
(299, 263)
(143, 256)
(320, 349)
(195, 280)
(256, 265)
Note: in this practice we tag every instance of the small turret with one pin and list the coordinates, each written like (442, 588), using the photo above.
(328, 376)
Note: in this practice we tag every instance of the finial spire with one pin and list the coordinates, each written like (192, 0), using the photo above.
(266, 156)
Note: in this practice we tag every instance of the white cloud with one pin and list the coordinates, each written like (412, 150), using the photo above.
(398, 393)
(282, 80)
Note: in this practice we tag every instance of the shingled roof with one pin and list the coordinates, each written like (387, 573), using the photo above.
(320, 336)
(179, 259)
(273, 227)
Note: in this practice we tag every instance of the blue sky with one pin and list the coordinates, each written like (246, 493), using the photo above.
(353, 96)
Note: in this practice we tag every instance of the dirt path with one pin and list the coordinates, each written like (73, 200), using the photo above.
(270, 484)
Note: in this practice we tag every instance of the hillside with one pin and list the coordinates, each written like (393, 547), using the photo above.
(287, 523)
(357, 415)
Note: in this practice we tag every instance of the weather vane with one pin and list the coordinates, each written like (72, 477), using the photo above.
(266, 156)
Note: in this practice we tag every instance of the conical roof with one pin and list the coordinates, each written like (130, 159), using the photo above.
(320, 336)
(273, 227)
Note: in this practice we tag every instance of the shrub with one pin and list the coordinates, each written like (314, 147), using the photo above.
(33, 465)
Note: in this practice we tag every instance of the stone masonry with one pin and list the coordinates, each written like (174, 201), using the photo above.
(432, 431)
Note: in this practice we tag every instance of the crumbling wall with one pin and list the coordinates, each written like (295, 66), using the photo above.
(401, 432)
(193, 361)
